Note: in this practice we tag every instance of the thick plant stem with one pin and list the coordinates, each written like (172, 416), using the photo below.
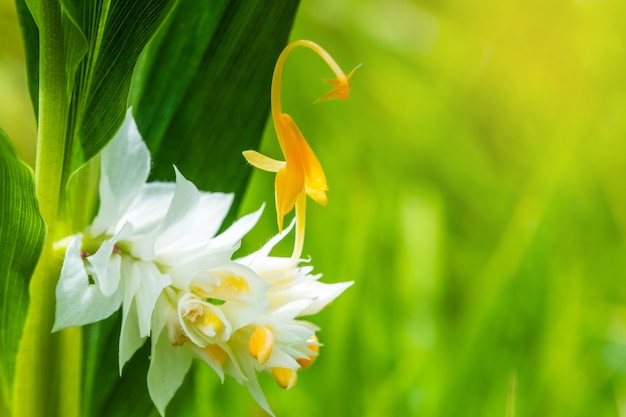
(37, 388)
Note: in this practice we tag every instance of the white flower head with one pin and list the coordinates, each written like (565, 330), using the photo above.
(291, 282)
(99, 272)
(144, 237)
(153, 249)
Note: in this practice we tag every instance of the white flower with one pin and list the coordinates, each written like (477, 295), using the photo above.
(240, 318)
(144, 238)
(100, 269)
(154, 250)
(290, 282)
(199, 320)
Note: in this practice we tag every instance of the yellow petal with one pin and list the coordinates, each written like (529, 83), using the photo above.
(289, 184)
(299, 152)
(319, 196)
(286, 378)
(261, 344)
(263, 162)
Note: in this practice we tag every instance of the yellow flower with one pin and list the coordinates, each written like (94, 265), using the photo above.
(301, 173)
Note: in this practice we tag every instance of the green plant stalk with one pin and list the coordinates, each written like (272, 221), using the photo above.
(43, 359)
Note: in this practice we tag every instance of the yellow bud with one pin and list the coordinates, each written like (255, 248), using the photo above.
(286, 378)
(261, 344)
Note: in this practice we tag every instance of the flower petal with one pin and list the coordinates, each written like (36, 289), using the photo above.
(107, 267)
(289, 183)
(247, 365)
(152, 284)
(233, 235)
(263, 162)
(256, 259)
(168, 367)
(125, 165)
(77, 301)
(324, 295)
(177, 220)
(130, 340)
(143, 283)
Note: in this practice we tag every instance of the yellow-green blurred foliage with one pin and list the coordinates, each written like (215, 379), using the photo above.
(477, 200)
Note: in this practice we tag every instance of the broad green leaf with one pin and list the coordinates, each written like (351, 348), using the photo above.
(102, 41)
(204, 89)
(30, 36)
(116, 33)
(105, 393)
(22, 233)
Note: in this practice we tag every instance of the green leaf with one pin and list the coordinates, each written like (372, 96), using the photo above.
(22, 233)
(30, 36)
(203, 94)
(105, 393)
(116, 32)
(102, 41)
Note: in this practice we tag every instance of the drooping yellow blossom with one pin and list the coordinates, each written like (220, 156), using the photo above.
(301, 173)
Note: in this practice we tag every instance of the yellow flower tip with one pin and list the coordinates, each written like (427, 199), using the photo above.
(314, 345)
(261, 344)
(318, 195)
(216, 353)
(341, 88)
(286, 378)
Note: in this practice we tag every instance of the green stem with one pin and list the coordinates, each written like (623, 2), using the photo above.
(38, 390)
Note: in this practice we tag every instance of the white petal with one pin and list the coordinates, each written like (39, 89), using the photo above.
(247, 366)
(262, 254)
(146, 215)
(177, 220)
(290, 310)
(77, 302)
(183, 273)
(325, 293)
(238, 230)
(213, 208)
(107, 267)
(130, 339)
(150, 287)
(204, 222)
(125, 165)
(168, 367)
(191, 222)
(280, 359)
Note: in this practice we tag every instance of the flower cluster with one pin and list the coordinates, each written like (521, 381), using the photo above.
(154, 250)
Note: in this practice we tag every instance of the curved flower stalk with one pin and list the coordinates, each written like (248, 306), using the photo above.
(301, 173)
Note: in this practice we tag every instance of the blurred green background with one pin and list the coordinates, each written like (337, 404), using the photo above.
(477, 200)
